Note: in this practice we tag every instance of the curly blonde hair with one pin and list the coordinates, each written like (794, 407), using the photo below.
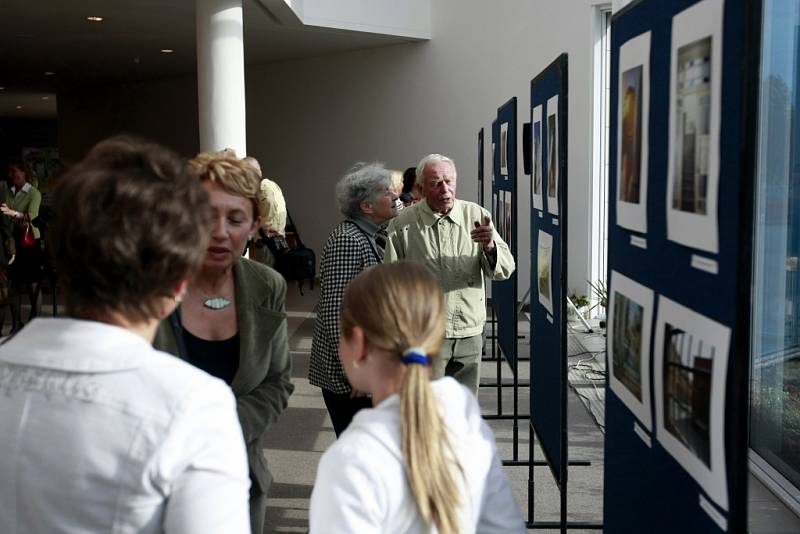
(233, 175)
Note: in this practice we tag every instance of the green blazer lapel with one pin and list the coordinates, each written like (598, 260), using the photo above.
(258, 321)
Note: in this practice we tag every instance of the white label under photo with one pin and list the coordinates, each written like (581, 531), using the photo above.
(705, 264)
(638, 241)
(643, 435)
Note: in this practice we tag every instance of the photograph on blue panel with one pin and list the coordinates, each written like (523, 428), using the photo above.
(544, 259)
(631, 145)
(629, 328)
(507, 218)
(693, 176)
(690, 370)
(504, 149)
(492, 165)
(536, 128)
(632, 140)
(552, 155)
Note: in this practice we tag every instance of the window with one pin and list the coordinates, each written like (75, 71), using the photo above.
(602, 94)
(775, 358)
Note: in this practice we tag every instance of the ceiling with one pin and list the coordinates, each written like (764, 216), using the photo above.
(47, 36)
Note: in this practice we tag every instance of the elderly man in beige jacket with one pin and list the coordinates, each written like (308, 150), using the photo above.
(456, 240)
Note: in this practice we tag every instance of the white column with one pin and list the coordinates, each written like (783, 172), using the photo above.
(220, 75)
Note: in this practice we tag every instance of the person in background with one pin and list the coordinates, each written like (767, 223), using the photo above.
(454, 239)
(273, 221)
(99, 431)
(397, 188)
(25, 271)
(422, 459)
(367, 202)
(410, 194)
(232, 322)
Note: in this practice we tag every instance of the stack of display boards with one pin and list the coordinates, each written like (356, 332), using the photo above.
(680, 228)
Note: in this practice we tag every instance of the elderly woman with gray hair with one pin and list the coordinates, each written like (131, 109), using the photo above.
(368, 202)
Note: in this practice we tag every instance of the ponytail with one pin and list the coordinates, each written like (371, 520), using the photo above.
(425, 445)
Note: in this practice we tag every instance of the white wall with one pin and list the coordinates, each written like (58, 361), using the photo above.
(309, 120)
(408, 18)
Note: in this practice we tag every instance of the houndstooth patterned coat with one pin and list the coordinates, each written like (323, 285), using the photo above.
(347, 252)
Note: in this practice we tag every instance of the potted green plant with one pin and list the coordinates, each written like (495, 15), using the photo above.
(600, 295)
(581, 302)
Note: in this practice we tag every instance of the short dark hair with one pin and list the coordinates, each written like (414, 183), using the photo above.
(409, 178)
(130, 224)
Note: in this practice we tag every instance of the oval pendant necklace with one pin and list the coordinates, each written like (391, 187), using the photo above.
(216, 303)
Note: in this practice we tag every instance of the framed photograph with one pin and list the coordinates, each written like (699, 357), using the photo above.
(504, 149)
(492, 165)
(552, 155)
(496, 212)
(544, 260)
(630, 321)
(538, 170)
(694, 118)
(633, 114)
(509, 219)
(690, 370)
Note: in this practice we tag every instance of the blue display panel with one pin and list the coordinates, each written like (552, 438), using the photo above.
(678, 255)
(504, 213)
(548, 263)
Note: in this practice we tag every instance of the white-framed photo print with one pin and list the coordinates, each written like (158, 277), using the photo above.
(504, 149)
(694, 122)
(630, 321)
(633, 119)
(544, 262)
(537, 131)
(690, 360)
(552, 155)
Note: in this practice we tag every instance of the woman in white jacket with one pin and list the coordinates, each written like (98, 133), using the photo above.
(422, 459)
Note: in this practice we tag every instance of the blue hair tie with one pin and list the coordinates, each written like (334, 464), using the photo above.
(415, 355)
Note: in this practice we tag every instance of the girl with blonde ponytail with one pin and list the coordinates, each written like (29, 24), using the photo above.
(422, 459)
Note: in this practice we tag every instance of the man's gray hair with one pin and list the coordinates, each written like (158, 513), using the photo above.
(433, 158)
(364, 182)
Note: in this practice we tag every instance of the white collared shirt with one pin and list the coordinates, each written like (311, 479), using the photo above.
(99, 432)
(25, 188)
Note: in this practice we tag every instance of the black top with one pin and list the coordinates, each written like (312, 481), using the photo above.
(217, 358)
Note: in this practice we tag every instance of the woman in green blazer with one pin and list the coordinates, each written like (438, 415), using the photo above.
(232, 321)
(25, 272)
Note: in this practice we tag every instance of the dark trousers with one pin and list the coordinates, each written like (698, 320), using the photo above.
(342, 408)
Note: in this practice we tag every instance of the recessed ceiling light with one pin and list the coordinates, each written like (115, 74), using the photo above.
(167, 50)
(45, 98)
(19, 107)
(94, 19)
(49, 73)
(2, 88)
